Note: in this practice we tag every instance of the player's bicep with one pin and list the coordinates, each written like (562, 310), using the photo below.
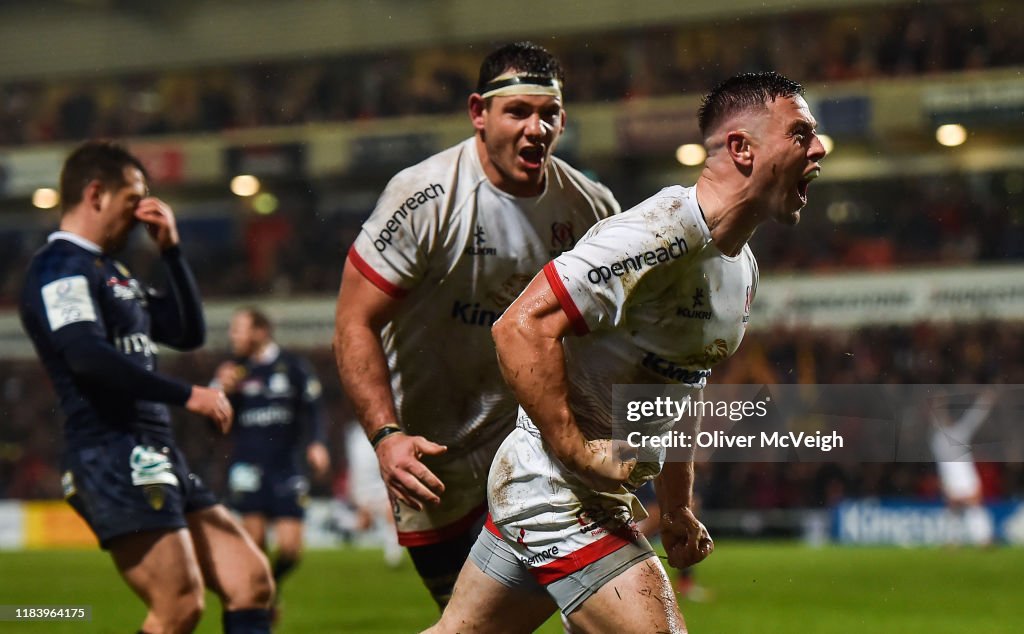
(361, 302)
(536, 313)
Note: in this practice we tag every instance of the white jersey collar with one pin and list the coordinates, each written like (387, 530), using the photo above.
(269, 354)
(74, 238)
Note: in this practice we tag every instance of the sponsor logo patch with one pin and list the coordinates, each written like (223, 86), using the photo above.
(67, 301)
(266, 416)
(473, 315)
(126, 290)
(67, 483)
(244, 478)
(544, 555)
(313, 388)
(155, 495)
(479, 240)
(394, 223)
(562, 236)
(675, 248)
(670, 370)
(697, 310)
(278, 384)
(150, 466)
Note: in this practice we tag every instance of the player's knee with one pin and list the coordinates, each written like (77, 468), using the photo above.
(260, 589)
(249, 586)
(289, 551)
(190, 611)
(182, 614)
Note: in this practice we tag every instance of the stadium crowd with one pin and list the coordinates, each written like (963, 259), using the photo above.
(850, 43)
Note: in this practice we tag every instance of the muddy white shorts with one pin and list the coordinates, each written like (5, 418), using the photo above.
(569, 580)
(548, 532)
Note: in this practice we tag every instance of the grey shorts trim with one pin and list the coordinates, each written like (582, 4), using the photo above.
(497, 560)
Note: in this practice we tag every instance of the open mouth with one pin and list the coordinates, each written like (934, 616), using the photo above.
(532, 156)
(805, 183)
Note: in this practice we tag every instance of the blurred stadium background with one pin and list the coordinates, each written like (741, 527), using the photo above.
(272, 126)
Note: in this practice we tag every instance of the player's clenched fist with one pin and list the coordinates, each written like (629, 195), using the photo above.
(212, 403)
(685, 538)
(408, 479)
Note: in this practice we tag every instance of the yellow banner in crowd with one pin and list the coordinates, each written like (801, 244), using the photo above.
(54, 524)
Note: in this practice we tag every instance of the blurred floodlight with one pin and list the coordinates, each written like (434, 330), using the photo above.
(951, 134)
(691, 154)
(840, 211)
(265, 203)
(827, 142)
(245, 185)
(45, 198)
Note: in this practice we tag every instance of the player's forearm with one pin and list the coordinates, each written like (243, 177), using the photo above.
(364, 374)
(533, 365)
(674, 485)
(178, 317)
(315, 421)
(101, 364)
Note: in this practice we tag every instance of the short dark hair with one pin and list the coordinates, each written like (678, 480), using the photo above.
(525, 57)
(95, 160)
(259, 319)
(742, 92)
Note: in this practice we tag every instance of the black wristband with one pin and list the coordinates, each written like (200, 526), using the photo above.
(383, 433)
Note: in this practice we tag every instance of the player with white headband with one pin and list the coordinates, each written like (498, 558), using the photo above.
(510, 84)
(452, 241)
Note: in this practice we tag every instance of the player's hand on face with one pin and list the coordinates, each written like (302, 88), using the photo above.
(319, 459)
(408, 479)
(212, 403)
(685, 538)
(159, 220)
(227, 376)
(602, 465)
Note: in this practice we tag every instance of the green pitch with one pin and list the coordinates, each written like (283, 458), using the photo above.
(756, 587)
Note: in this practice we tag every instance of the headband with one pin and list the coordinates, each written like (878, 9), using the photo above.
(508, 84)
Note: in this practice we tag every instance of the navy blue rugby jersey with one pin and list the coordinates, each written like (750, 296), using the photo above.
(95, 329)
(278, 410)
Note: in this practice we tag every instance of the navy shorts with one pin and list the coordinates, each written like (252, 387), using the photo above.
(269, 492)
(132, 483)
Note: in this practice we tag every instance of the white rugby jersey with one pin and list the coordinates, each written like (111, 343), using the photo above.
(459, 251)
(657, 301)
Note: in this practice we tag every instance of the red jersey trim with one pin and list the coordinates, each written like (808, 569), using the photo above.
(374, 277)
(579, 325)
